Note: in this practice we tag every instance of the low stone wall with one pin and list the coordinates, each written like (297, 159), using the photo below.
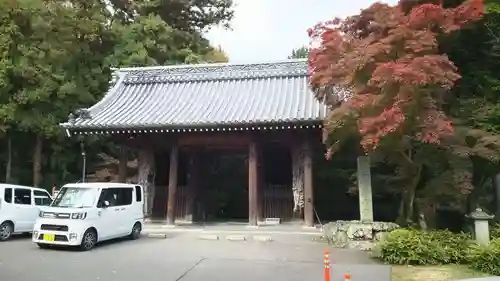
(356, 234)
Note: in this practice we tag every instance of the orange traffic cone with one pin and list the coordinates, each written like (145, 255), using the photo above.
(326, 261)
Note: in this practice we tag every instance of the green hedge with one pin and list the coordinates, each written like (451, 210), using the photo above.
(486, 259)
(495, 231)
(408, 246)
(414, 247)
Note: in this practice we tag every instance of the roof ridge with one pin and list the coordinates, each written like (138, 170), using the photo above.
(215, 72)
(208, 65)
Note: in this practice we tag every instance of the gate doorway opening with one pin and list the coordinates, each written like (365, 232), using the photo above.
(224, 191)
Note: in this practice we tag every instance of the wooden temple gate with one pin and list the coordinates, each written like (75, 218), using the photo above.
(182, 202)
(193, 108)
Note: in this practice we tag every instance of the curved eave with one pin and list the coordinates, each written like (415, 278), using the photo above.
(270, 126)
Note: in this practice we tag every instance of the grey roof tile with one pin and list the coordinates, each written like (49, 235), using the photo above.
(205, 95)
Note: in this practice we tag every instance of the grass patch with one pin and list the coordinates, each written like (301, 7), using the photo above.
(433, 273)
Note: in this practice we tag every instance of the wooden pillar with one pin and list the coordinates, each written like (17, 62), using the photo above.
(201, 192)
(297, 151)
(308, 185)
(172, 184)
(122, 164)
(260, 184)
(253, 204)
(192, 184)
(145, 161)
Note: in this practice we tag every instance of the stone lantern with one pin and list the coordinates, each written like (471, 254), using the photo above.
(481, 226)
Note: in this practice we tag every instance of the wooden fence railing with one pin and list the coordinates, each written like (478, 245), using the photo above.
(277, 202)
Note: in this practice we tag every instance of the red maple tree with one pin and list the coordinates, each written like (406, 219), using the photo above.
(388, 61)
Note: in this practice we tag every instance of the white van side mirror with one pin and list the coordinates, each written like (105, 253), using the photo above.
(106, 204)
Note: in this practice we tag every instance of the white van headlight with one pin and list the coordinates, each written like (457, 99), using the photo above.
(79, 216)
(73, 236)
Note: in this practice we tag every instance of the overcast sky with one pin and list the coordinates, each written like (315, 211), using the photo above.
(268, 30)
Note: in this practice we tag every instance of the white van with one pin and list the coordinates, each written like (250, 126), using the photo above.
(19, 208)
(83, 214)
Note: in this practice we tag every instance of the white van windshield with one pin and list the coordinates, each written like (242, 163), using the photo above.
(72, 197)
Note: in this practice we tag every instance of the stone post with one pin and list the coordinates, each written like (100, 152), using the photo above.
(481, 226)
(365, 189)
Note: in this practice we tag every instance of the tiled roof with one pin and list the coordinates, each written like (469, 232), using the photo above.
(204, 95)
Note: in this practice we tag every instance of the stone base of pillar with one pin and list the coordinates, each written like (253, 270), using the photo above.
(188, 219)
(309, 227)
(253, 226)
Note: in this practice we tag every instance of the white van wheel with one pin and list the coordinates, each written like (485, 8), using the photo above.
(6, 229)
(136, 231)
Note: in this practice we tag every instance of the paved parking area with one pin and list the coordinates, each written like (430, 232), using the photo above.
(179, 257)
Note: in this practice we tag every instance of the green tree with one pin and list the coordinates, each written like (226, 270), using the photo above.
(148, 40)
(476, 109)
(53, 58)
(187, 16)
(216, 55)
(177, 27)
(299, 53)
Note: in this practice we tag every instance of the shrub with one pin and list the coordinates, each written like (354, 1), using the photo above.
(495, 231)
(486, 259)
(408, 246)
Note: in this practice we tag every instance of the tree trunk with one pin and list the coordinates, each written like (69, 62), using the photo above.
(411, 201)
(37, 161)
(406, 209)
(426, 210)
(427, 215)
(472, 198)
(401, 211)
(8, 168)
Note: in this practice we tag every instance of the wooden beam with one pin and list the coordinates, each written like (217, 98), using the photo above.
(308, 184)
(172, 184)
(253, 203)
(225, 147)
(220, 139)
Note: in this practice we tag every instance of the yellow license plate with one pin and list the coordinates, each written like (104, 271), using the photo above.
(49, 237)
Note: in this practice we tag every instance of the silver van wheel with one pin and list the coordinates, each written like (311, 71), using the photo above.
(89, 240)
(6, 230)
(136, 231)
